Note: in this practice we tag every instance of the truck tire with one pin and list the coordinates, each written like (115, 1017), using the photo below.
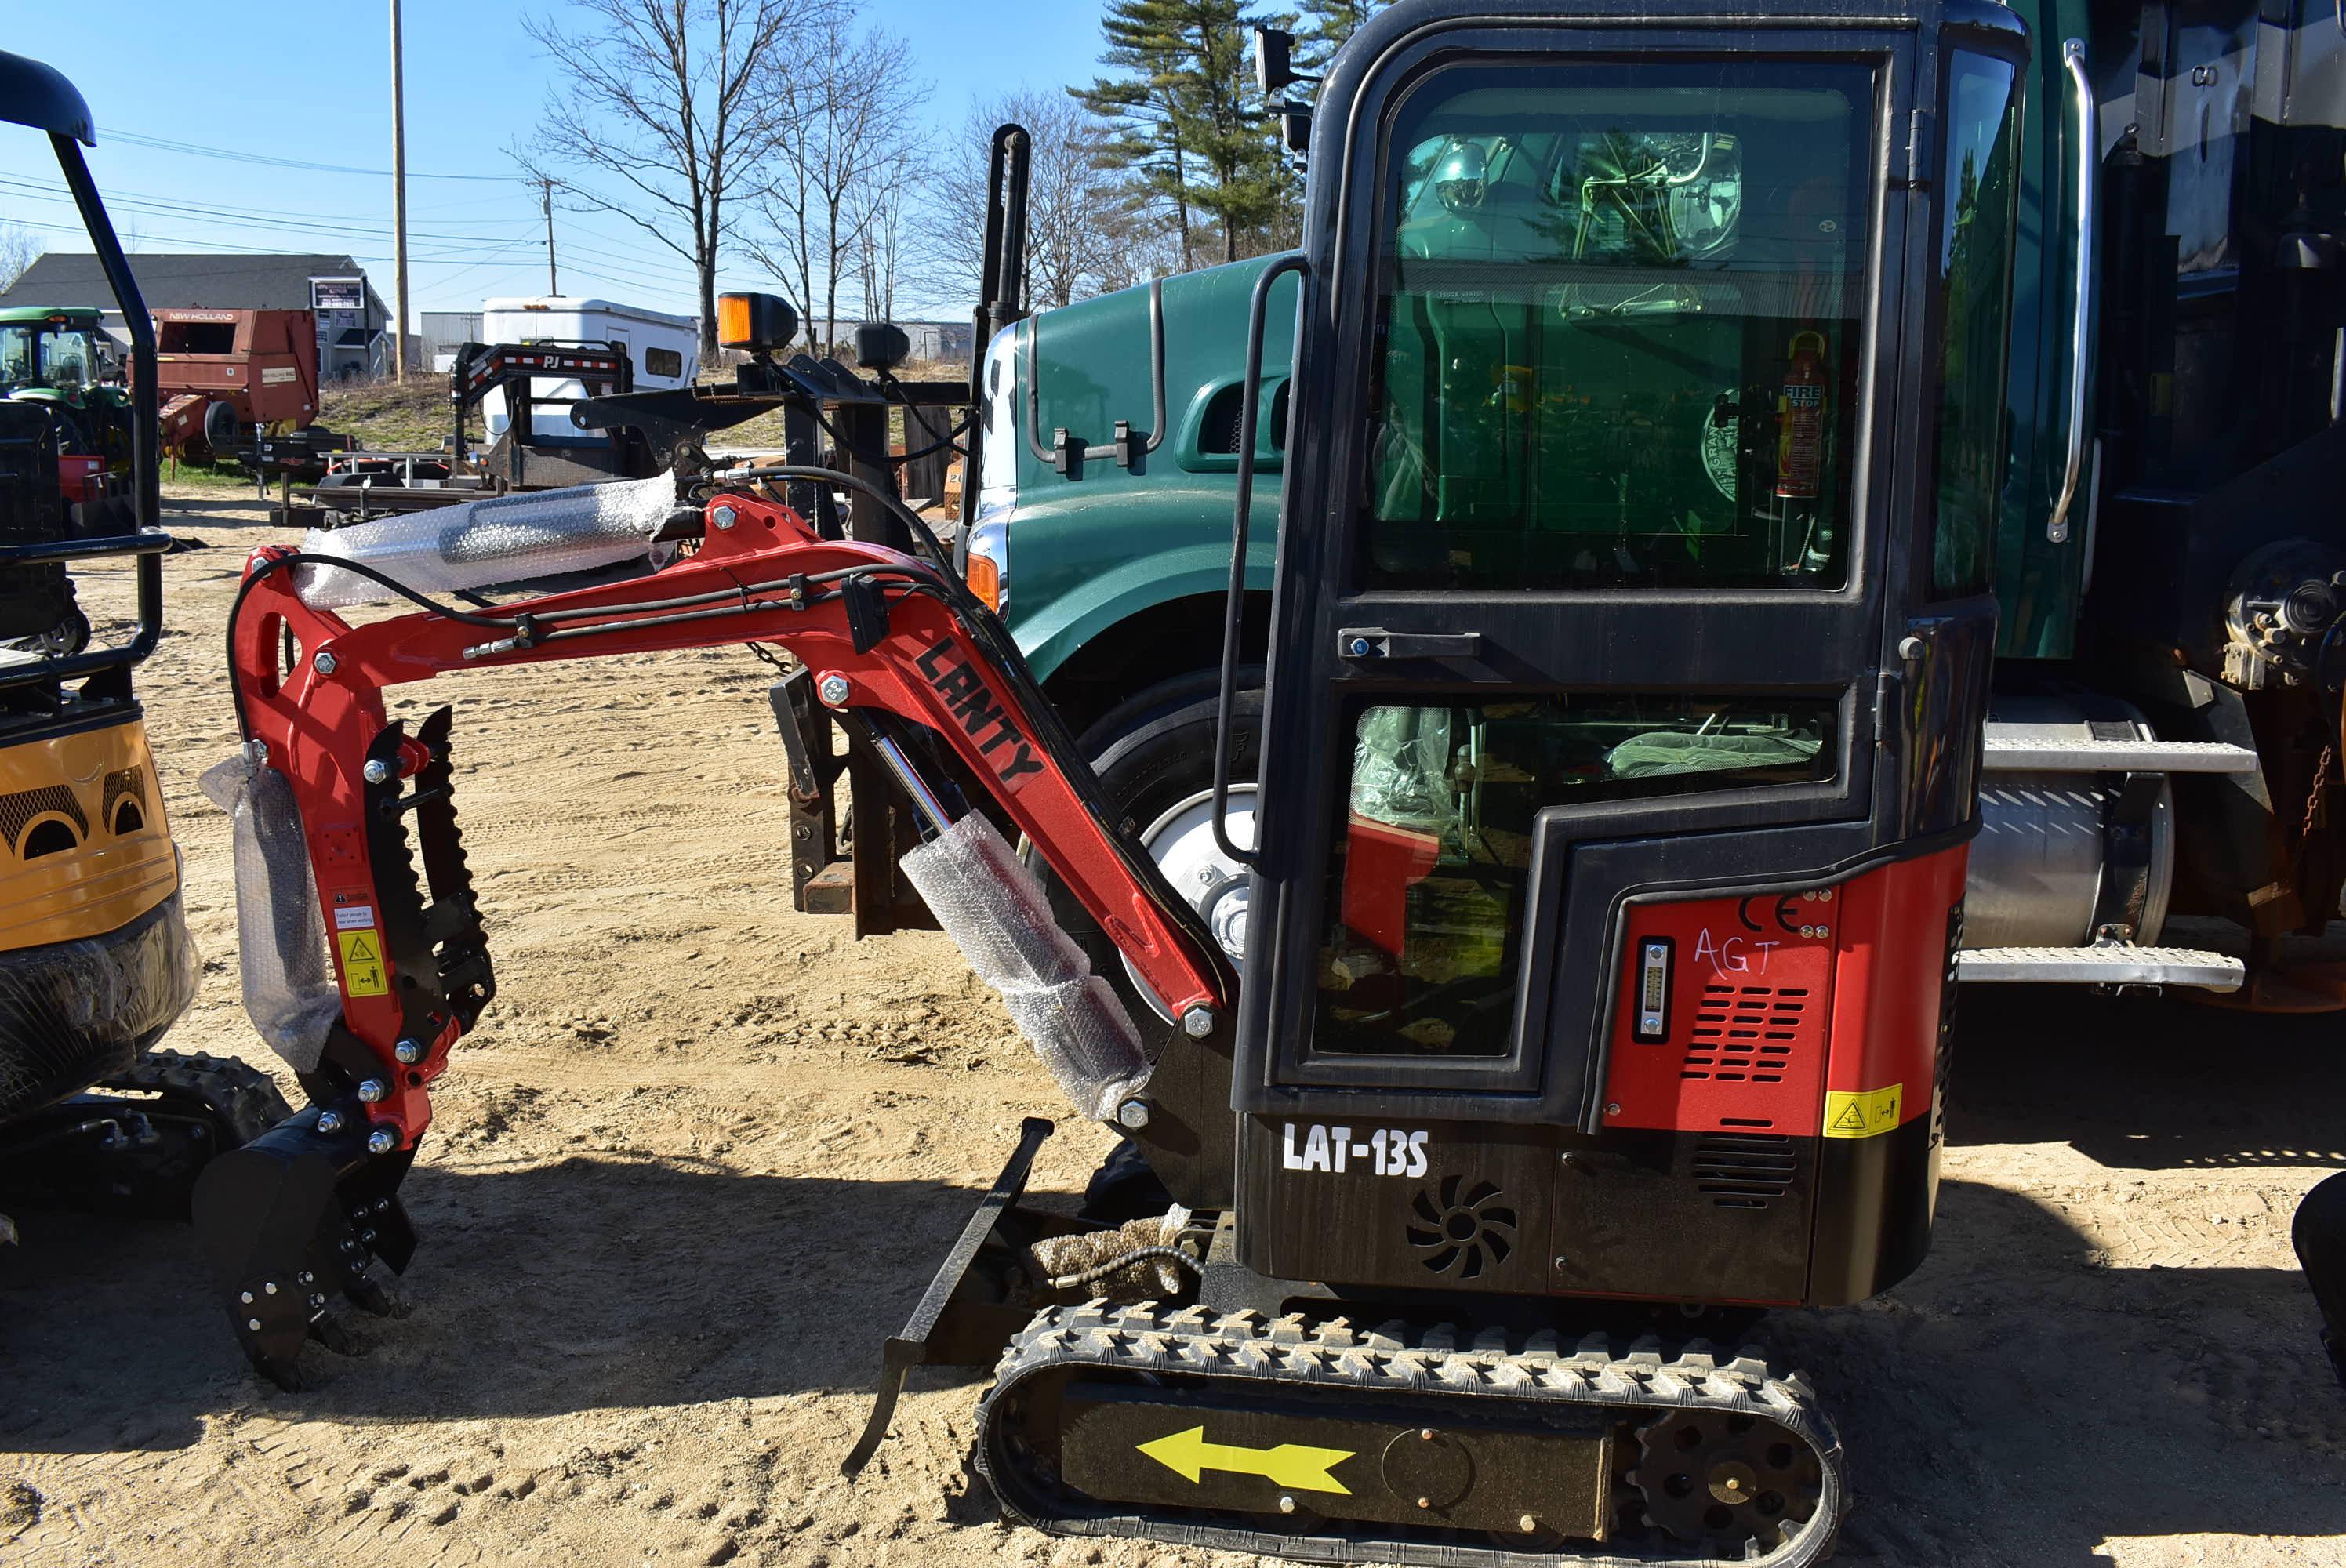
(1154, 752)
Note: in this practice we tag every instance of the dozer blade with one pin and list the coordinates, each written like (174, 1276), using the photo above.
(980, 1296)
(291, 1219)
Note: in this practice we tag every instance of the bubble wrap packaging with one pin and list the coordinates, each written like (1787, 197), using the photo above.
(997, 913)
(289, 991)
(499, 539)
(74, 1012)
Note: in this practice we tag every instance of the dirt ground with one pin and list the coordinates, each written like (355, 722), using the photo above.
(704, 1152)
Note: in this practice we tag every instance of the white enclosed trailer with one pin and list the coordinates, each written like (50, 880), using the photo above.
(665, 350)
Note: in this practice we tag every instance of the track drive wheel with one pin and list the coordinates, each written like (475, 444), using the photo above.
(1709, 1474)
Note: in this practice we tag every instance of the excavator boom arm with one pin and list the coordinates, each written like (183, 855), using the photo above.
(890, 642)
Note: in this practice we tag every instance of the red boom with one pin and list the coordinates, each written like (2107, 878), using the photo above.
(318, 719)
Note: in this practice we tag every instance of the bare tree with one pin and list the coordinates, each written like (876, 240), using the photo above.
(1085, 231)
(664, 103)
(849, 100)
(19, 248)
(879, 244)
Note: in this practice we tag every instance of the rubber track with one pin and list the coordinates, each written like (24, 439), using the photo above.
(242, 1098)
(1537, 1369)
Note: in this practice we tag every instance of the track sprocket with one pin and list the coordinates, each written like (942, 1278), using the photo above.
(1709, 1474)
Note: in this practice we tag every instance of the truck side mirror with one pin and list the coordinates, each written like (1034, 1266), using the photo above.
(1274, 49)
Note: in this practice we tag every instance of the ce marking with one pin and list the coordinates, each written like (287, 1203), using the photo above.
(1785, 919)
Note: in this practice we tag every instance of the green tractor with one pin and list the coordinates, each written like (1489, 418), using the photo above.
(2152, 477)
(60, 358)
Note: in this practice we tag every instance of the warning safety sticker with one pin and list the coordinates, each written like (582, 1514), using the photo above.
(362, 963)
(1864, 1114)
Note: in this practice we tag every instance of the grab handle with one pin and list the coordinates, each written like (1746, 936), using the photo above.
(2088, 166)
(1234, 608)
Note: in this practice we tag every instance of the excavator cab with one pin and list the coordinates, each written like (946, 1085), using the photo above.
(1629, 658)
(1629, 654)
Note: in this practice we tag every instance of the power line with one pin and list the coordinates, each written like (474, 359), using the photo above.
(192, 149)
(336, 225)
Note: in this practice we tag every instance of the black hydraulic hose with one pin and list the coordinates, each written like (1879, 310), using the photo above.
(890, 459)
(685, 600)
(306, 558)
(932, 547)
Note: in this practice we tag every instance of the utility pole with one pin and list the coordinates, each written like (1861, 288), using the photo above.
(398, 201)
(545, 199)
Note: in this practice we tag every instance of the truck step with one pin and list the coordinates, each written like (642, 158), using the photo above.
(2013, 754)
(2112, 965)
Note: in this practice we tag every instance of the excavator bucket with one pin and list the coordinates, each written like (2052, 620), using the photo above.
(293, 1218)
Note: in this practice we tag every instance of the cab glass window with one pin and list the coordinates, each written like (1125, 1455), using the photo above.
(1973, 261)
(1433, 853)
(1618, 327)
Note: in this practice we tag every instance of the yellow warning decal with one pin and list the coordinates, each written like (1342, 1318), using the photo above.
(362, 963)
(1866, 1114)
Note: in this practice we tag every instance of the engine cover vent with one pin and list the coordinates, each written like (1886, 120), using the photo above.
(1464, 1230)
(1746, 1033)
(1745, 1170)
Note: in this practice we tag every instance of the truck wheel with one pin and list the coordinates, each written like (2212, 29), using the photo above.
(1154, 753)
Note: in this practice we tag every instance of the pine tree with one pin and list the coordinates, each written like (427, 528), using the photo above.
(1143, 105)
(1187, 120)
(1323, 26)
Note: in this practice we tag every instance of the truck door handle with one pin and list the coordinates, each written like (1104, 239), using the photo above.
(1250, 402)
(1375, 642)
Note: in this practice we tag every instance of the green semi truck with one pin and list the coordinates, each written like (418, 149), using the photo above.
(2151, 481)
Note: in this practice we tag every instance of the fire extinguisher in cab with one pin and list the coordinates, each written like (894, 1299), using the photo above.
(1800, 420)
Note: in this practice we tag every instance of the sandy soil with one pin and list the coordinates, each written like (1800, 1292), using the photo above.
(704, 1152)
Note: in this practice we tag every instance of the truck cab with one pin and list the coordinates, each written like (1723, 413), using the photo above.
(2165, 415)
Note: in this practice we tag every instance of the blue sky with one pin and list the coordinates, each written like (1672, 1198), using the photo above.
(297, 79)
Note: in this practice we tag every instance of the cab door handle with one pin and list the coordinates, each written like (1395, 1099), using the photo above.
(1358, 643)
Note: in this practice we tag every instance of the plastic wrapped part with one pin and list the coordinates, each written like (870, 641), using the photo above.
(72, 1013)
(997, 913)
(1085, 1037)
(499, 539)
(289, 991)
(1401, 769)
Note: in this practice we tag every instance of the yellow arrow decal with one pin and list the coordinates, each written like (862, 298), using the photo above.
(1292, 1465)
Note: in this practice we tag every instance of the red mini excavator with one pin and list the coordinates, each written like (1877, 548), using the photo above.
(1608, 856)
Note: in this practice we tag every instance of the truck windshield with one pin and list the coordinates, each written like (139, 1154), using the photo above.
(1619, 315)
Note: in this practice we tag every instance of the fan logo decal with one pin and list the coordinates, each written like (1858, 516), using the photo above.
(984, 721)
